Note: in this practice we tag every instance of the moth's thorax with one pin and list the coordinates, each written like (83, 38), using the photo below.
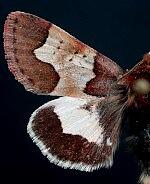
(137, 85)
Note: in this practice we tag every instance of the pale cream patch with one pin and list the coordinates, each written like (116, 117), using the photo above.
(74, 69)
(108, 142)
(76, 120)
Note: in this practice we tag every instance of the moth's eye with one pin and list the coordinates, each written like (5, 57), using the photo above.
(141, 86)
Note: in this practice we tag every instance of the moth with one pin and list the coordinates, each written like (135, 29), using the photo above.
(81, 129)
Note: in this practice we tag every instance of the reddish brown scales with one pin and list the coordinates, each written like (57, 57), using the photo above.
(106, 72)
(75, 148)
(80, 47)
(23, 33)
(139, 71)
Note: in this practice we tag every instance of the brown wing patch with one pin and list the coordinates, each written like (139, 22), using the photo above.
(74, 148)
(106, 72)
(67, 147)
(23, 33)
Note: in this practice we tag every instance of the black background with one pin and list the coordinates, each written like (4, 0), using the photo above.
(119, 29)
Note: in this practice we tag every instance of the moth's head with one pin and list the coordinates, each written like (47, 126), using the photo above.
(137, 82)
(141, 86)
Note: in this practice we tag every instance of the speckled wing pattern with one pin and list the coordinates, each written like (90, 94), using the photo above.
(80, 130)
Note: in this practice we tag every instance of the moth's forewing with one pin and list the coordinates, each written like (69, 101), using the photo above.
(81, 132)
(47, 60)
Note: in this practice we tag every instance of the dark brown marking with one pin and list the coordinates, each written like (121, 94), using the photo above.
(31, 81)
(15, 49)
(16, 60)
(14, 29)
(106, 73)
(16, 20)
(79, 46)
(75, 148)
(76, 52)
(21, 70)
(23, 33)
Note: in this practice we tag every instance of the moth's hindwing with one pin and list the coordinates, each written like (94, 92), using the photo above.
(74, 133)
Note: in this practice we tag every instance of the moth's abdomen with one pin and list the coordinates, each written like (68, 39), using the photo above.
(144, 155)
(139, 139)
